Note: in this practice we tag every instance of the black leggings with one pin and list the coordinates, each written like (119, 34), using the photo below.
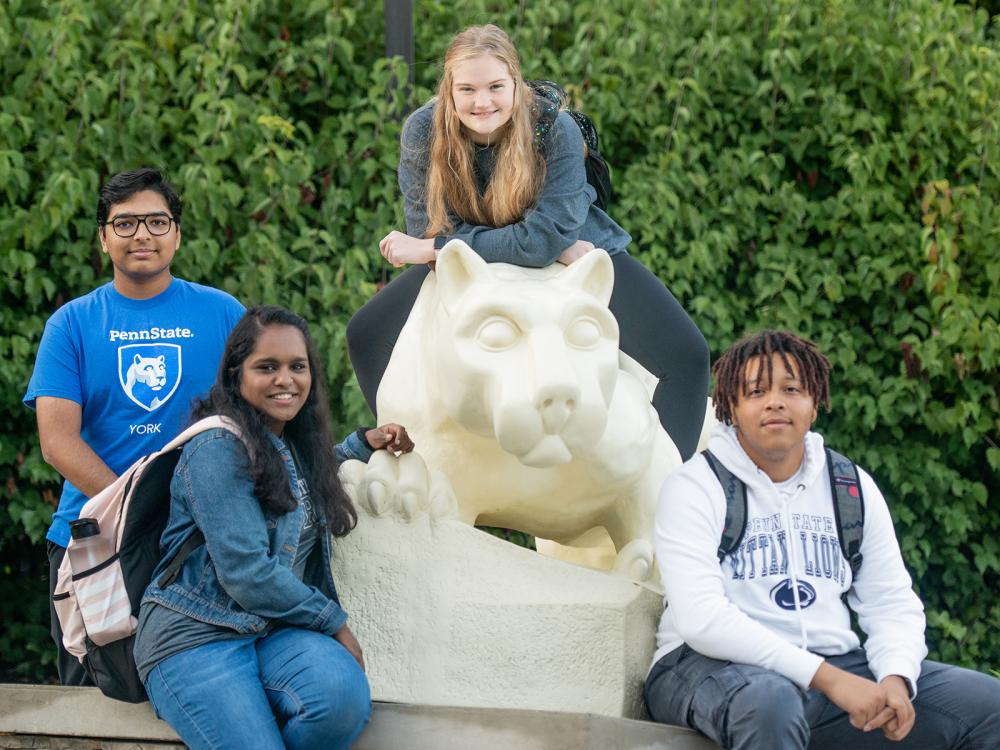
(655, 331)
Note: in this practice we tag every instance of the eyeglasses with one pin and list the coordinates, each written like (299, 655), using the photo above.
(127, 226)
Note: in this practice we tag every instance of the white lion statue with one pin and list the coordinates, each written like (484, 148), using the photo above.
(512, 385)
(525, 415)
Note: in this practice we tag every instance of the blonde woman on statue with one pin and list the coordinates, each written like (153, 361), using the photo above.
(490, 162)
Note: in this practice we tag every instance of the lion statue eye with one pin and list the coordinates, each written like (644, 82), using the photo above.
(583, 333)
(497, 334)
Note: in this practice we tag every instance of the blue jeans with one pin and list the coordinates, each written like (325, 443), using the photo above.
(742, 707)
(291, 688)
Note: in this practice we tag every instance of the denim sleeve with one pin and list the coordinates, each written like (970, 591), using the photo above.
(353, 447)
(554, 222)
(221, 496)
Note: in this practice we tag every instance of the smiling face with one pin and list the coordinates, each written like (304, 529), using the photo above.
(275, 378)
(483, 92)
(773, 416)
(142, 261)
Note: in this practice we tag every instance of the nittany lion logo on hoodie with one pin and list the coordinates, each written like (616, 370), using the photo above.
(149, 373)
(784, 597)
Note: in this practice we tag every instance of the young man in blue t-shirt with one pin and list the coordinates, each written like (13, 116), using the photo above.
(118, 368)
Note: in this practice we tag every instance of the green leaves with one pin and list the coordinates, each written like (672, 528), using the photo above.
(830, 167)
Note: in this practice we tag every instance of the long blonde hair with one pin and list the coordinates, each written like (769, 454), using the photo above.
(520, 169)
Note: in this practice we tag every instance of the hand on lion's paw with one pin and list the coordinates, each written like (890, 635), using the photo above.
(398, 485)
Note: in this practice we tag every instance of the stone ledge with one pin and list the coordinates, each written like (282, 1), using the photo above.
(47, 717)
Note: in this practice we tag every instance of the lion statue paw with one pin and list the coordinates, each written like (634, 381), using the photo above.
(401, 486)
(635, 560)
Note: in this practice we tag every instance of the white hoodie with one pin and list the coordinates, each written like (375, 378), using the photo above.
(746, 610)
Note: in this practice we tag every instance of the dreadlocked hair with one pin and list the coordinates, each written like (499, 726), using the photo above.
(730, 369)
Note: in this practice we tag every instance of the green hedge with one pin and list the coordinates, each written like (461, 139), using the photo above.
(827, 166)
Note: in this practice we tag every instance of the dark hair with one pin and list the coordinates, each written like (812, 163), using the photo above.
(124, 185)
(309, 431)
(730, 369)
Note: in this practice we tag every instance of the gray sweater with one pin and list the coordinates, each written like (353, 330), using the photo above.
(564, 212)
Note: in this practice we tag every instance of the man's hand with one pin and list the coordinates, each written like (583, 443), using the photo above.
(898, 702)
(574, 252)
(400, 249)
(393, 437)
(346, 639)
(862, 699)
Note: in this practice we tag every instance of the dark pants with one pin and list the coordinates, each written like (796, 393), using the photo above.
(71, 671)
(743, 707)
(654, 329)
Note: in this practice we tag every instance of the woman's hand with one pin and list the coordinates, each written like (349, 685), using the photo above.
(393, 437)
(346, 639)
(574, 252)
(400, 249)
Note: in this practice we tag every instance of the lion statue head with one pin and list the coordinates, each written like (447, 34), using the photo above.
(531, 363)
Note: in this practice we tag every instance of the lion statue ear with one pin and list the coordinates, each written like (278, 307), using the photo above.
(458, 268)
(593, 274)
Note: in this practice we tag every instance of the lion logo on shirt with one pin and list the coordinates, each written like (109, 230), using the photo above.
(149, 373)
(152, 372)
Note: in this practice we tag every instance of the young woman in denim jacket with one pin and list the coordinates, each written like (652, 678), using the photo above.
(479, 163)
(249, 646)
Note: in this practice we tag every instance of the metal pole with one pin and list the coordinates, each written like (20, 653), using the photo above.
(399, 31)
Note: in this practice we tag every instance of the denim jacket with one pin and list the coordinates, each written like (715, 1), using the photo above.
(241, 577)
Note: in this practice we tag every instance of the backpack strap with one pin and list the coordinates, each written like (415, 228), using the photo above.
(549, 100)
(197, 538)
(736, 505)
(202, 425)
(848, 507)
(171, 572)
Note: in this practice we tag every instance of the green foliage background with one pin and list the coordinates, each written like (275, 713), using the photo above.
(825, 166)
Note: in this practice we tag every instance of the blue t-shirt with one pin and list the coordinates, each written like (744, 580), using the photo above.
(134, 366)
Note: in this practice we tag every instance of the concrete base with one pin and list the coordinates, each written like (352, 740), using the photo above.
(449, 615)
(45, 717)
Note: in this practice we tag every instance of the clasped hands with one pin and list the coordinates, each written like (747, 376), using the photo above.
(869, 705)
(400, 249)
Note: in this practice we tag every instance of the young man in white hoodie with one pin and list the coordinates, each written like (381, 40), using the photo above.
(757, 651)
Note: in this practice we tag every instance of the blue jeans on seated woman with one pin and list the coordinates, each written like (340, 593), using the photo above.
(291, 688)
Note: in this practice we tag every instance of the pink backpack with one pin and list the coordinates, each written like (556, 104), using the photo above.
(97, 608)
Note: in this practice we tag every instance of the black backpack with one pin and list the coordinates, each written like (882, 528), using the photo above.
(553, 100)
(848, 506)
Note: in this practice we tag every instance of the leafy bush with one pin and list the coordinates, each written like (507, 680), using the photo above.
(830, 167)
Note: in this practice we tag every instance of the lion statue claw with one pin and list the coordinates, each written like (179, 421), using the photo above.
(399, 485)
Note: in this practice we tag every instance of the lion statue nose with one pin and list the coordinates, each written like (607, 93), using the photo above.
(556, 405)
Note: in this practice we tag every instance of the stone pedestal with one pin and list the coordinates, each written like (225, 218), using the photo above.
(449, 615)
(46, 717)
